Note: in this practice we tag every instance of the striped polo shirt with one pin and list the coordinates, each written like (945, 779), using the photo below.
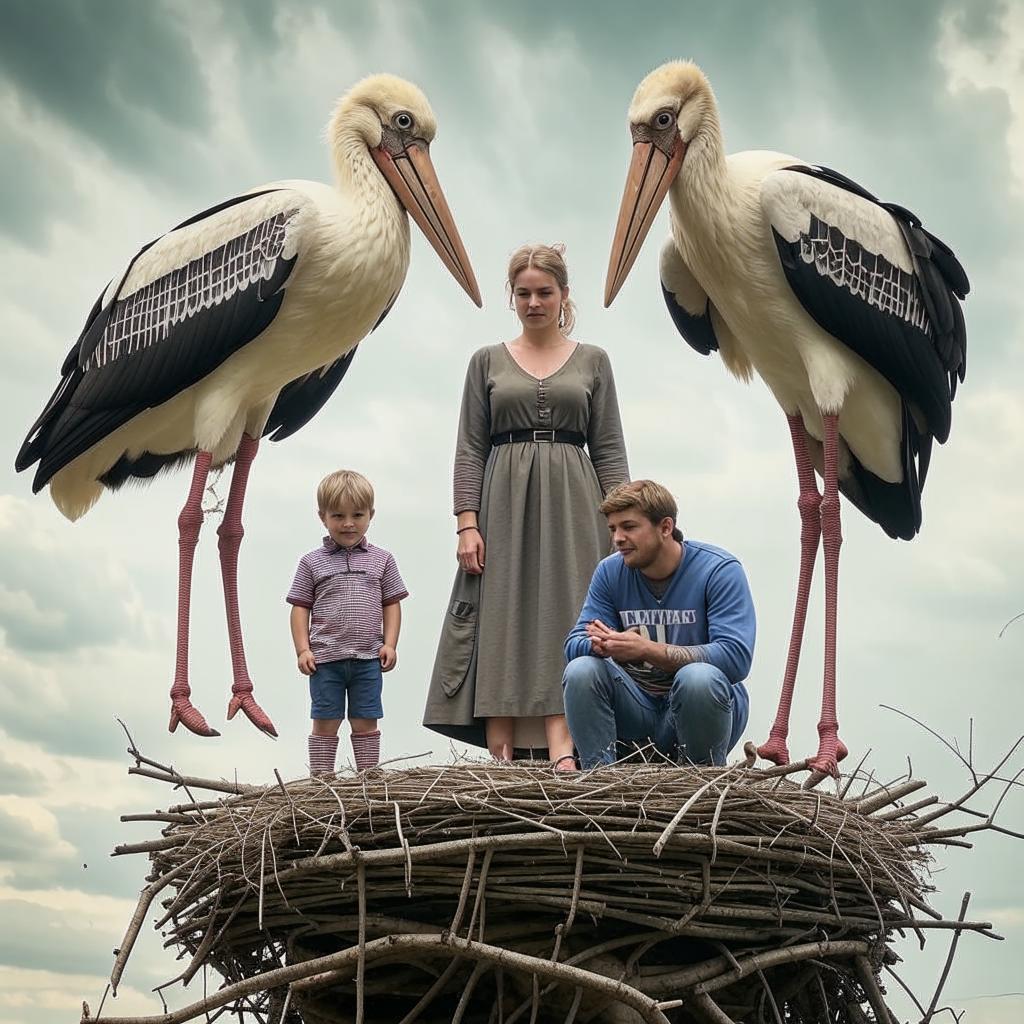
(345, 590)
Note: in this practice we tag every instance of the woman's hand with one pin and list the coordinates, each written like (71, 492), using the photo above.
(470, 552)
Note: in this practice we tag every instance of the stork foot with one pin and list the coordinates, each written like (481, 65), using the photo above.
(775, 750)
(245, 702)
(185, 713)
(826, 762)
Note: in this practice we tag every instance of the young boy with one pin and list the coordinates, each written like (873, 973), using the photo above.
(345, 620)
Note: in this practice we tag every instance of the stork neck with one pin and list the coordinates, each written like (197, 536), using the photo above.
(356, 173)
(701, 192)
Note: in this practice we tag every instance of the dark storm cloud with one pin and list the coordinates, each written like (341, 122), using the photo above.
(980, 21)
(59, 634)
(32, 184)
(33, 935)
(101, 66)
(119, 76)
(19, 841)
(40, 611)
(77, 723)
(93, 832)
(19, 779)
(257, 19)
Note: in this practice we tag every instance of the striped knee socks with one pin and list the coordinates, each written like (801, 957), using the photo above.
(366, 748)
(322, 750)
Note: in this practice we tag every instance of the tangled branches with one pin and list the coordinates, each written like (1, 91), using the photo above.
(504, 894)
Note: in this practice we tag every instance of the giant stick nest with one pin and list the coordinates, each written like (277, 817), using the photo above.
(500, 893)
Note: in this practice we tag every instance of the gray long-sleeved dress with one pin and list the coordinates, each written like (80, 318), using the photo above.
(500, 651)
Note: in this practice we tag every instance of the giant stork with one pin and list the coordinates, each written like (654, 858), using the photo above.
(238, 323)
(845, 306)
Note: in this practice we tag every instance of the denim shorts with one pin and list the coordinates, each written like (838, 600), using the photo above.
(360, 678)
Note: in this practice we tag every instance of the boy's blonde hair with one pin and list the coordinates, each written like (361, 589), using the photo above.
(653, 500)
(344, 485)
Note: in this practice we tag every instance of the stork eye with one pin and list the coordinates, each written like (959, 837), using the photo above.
(664, 119)
(402, 121)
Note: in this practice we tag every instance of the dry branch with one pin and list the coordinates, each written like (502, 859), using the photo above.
(489, 893)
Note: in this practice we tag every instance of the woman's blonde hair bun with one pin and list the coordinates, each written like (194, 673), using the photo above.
(551, 260)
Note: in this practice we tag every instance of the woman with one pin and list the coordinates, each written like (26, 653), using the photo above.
(529, 533)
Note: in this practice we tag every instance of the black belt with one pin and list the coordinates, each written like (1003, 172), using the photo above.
(555, 436)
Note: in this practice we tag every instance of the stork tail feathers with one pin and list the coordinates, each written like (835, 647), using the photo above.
(896, 507)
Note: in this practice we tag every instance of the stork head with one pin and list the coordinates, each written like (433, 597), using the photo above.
(393, 119)
(671, 110)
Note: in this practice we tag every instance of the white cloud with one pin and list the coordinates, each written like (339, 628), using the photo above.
(108, 911)
(39, 612)
(36, 996)
(993, 64)
(29, 830)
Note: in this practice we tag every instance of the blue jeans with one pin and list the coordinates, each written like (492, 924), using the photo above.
(698, 721)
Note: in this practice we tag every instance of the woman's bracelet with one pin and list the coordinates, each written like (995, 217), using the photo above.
(463, 529)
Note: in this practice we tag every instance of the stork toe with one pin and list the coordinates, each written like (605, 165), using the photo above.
(826, 762)
(244, 701)
(184, 712)
(774, 750)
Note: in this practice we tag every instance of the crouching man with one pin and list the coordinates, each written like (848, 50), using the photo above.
(664, 640)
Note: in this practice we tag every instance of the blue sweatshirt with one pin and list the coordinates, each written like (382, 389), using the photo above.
(707, 604)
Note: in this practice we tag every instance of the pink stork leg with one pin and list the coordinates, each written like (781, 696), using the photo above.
(809, 504)
(189, 521)
(230, 535)
(831, 750)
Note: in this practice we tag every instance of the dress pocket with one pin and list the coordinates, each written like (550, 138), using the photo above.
(455, 651)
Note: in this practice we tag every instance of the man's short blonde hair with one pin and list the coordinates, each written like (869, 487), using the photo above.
(344, 486)
(653, 500)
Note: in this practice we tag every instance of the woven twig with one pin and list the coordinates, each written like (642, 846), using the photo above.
(485, 892)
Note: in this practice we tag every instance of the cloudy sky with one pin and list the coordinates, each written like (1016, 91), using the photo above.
(119, 119)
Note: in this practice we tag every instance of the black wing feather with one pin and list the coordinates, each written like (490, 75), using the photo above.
(880, 340)
(921, 357)
(697, 331)
(103, 386)
(33, 446)
(300, 400)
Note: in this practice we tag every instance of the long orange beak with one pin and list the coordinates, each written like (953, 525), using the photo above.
(651, 173)
(414, 180)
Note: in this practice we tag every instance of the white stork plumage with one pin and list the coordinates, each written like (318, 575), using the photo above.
(846, 308)
(240, 323)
